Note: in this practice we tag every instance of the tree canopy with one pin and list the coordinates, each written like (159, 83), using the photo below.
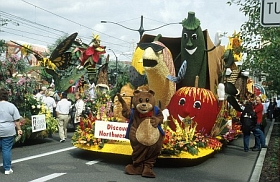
(260, 44)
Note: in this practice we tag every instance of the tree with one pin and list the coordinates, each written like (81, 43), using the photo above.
(3, 46)
(261, 45)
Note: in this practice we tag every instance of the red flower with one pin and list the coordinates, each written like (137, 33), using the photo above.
(167, 137)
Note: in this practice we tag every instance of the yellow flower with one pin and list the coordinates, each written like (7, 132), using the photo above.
(219, 137)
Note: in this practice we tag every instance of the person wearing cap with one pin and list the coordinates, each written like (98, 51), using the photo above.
(9, 120)
(62, 111)
(50, 102)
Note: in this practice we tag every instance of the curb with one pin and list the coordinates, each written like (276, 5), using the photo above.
(255, 177)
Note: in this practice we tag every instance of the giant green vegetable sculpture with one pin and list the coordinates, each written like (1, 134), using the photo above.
(193, 51)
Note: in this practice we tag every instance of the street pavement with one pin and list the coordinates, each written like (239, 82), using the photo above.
(231, 164)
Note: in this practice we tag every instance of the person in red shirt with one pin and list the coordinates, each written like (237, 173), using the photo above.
(259, 110)
(259, 135)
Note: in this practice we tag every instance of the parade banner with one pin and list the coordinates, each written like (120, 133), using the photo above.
(110, 130)
(38, 123)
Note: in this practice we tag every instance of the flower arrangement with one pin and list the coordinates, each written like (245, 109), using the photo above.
(186, 139)
(221, 123)
(227, 127)
(102, 105)
(32, 106)
(233, 132)
(52, 123)
(85, 133)
(26, 125)
(99, 109)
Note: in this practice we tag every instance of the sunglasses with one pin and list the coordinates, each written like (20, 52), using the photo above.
(155, 47)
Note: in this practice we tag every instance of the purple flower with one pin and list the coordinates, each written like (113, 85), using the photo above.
(21, 81)
(14, 58)
(9, 80)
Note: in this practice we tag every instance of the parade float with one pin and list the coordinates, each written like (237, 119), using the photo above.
(196, 121)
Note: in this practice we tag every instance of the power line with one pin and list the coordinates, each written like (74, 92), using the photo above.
(29, 32)
(72, 21)
(26, 23)
(25, 37)
(34, 25)
(127, 20)
(156, 20)
(20, 18)
(30, 25)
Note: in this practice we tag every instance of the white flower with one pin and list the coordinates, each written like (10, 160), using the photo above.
(38, 106)
(33, 107)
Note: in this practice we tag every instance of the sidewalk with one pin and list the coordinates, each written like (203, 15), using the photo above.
(259, 163)
(255, 166)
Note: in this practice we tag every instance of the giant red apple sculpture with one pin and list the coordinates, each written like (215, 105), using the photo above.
(199, 104)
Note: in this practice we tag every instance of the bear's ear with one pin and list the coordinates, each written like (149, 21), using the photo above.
(151, 92)
(136, 92)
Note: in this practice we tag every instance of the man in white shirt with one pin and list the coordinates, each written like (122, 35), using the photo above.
(50, 102)
(40, 96)
(62, 112)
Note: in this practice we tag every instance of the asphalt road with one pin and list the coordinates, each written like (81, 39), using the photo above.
(49, 160)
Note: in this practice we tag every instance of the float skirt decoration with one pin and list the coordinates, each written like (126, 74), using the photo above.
(182, 144)
(124, 148)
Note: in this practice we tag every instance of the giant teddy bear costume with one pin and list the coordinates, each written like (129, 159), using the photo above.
(144, 132)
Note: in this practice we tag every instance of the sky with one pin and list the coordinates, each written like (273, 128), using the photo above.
(42, 22)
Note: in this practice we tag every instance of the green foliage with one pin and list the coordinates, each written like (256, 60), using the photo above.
(260, 44)
(67, 78)
(3, 46)
(122, 79)
(12, 64)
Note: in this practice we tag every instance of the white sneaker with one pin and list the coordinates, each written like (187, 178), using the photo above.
(9, 172)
